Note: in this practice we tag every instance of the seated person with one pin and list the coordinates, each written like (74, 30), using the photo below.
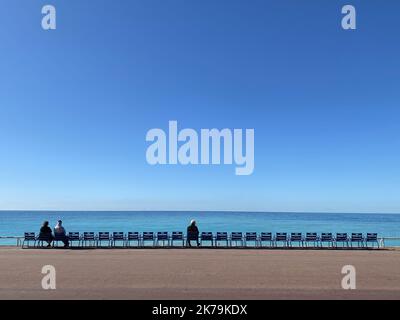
(192, 233)
(60, 233)
(45, 233)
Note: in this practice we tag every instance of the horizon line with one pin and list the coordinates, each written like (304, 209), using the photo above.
(198, 211)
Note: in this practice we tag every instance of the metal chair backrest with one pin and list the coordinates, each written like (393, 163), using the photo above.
(326, 237)
(281, 236)
(341, 237)
(356, 237)
(296, 236)
(133, 235)
(162, 236)
(372, 237)
(206, 236)
(222, 236)
(118, 236)
(74, 236)
(236, 236)
(251, 236)
(177, 235)
(104, 236)
(29, 236)
(148, 236)
(88, 236)
(266, 236)
(311, 236)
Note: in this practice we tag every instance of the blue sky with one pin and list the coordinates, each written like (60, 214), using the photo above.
(76, 104)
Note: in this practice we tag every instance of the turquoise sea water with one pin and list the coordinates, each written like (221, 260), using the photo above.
(15, 223)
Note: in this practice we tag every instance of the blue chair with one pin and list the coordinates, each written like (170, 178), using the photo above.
(207, 236)
(133, 237)
(28, 237)
(327, 238)
(343, 238)
(237, 237)
(41, 239)
(162, 237)
(221, 237)
(281, 237)
(74, 237)
(148, 237)
(266, 237)
(117, 237)
(311, 237)
(88, 238)
(103, 236)
(357, 237)
(251, 237)
(177, 236)
(192, 236)
(296, 237)
(372, 238)
(59, 238)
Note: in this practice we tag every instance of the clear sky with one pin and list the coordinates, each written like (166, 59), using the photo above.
(76, 103)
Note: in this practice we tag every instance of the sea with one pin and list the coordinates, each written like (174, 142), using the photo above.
(15, 223)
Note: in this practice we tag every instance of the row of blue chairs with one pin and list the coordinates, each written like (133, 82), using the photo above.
(283, 239)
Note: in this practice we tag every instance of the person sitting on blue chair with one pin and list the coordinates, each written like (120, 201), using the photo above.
(45, 233)
(192, 233)
(60, 234)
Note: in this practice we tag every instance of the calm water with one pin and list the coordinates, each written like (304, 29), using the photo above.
(15, 223)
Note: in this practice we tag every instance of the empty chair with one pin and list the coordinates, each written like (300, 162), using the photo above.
(281, 237)
(372, 238)
(296, 237)
(88, 238)
(118, 237)
(266, 237)
(251, 237)
(237, 237)
(208, 237)
(132, 237)
(326, 238)
(28, 238)
(311, 237)
(74, 237)
(148, 237)
(357, 237)
(221, 237)
(162, 237)
(343, 238)
(177, 236)
(103, 237)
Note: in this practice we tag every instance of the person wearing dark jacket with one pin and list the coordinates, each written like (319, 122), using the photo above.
(192, 234)
(45, 233)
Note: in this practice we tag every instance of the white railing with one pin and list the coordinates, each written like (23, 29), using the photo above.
(18, 239)
(382, 241)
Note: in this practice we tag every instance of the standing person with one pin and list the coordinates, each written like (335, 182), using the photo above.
(45, 233)
(61, 234)
(192, 233)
